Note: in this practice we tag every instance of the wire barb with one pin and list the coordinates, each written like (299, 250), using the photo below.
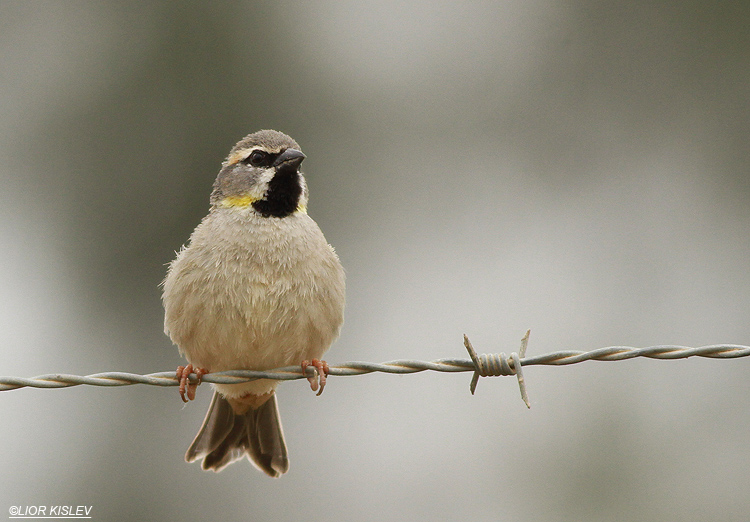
(494, 365)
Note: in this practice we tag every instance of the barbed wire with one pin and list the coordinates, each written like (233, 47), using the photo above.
(483, 365)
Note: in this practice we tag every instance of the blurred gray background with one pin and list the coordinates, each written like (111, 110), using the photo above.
(577, 168)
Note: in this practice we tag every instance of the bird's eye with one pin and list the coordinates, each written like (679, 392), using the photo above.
(258, 158)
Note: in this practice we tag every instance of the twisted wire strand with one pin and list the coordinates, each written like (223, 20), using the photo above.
(404, 366)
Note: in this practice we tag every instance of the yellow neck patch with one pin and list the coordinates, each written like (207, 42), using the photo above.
(238, 201)
(246, 201)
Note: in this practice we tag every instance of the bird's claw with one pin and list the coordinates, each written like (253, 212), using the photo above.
(183, 374)
(321, 373)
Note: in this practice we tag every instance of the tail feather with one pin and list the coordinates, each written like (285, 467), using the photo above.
(216, 426)
(227, 436)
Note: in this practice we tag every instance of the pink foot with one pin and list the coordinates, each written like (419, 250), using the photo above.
(321, 372)
(183, 372)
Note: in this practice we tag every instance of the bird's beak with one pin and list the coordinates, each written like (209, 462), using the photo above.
(290, 157)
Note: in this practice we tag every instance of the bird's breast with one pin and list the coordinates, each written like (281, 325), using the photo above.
(254, 292)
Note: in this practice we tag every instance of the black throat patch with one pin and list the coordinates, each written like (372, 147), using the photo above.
(282, 197)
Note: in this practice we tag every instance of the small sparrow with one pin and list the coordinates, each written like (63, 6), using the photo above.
(257, 287)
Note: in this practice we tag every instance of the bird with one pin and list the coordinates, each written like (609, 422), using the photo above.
(256, 287)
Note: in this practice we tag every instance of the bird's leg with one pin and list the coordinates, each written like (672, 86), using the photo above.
(321, 372)
(183, 372)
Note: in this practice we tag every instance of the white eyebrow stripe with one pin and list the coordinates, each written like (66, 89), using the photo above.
(242, 154)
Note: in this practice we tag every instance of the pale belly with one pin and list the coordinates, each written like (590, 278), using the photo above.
(257, 309)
